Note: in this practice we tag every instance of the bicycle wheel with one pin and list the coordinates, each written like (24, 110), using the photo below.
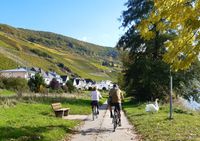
(93, 112)
(114, 121)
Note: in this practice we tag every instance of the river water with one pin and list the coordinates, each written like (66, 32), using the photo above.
(190, 104)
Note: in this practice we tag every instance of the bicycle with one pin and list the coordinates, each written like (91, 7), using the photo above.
(94, 111)
(115, 119)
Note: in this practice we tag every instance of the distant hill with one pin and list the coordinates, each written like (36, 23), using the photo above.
(50, 51)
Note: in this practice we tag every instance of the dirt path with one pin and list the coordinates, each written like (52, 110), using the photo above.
(101, 129)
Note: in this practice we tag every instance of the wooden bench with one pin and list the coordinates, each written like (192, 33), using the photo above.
(59, 111)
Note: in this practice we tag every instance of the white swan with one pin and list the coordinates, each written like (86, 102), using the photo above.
(152, 107)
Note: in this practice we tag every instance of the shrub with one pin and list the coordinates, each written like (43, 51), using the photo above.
(2, 86)
(70, 86)
(18, 85)
(40, 53)
(54, 84)
(65, 88)
(56, 90)
(59, 90)
(90, 89)
(35, 83)
(43, 89)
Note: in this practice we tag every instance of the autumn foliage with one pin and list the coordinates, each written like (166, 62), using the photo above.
(180, 17)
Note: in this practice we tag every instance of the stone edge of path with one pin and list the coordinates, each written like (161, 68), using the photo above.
(139, 137)
(76, 128)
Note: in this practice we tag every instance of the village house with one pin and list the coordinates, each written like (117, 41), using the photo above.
(104, 85)
(64, 78)
(56, 76)
(89, 83)
(17, 73)
(79, 83)
(27, 73)
(47, 76)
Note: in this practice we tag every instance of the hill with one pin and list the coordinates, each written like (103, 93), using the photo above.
(50, 51)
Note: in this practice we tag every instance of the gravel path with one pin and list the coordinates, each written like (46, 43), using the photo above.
(101, 129)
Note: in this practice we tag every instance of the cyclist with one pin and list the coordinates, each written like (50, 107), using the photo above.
(116, 96)
(95, 96)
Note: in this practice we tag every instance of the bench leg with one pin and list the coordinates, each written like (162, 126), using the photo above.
(66, 113)
(63, 113)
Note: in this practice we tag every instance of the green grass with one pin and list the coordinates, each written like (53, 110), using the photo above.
(6, 63)
(33, 119)
(4, 92)
(84, 69)
(99, 66)
(184, 126)
(40, 62)
(29, 121)
(73, 103)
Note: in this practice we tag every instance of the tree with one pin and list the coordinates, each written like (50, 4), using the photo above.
(184, 48)
(143, 67)
(35, 83)
(146, 75)
(70, 86)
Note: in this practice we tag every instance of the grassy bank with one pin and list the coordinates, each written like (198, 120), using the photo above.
(184, 126)
(32, 118)
(4, 92)
(35, 120)
(26, 121)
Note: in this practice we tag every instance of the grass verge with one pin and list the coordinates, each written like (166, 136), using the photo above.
(33, 119)
(184, 126)
(4, 92)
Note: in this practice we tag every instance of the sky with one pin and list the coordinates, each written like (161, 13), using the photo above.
(94, 21)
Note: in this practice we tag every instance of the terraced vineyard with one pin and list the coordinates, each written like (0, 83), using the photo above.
(50, 51)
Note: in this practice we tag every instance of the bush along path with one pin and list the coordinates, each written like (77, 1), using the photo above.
(101, 129)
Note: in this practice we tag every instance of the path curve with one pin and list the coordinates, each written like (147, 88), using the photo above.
(101, 129)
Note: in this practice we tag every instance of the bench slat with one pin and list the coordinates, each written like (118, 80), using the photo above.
(62, 109)
(59, 111)
(56, 106)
